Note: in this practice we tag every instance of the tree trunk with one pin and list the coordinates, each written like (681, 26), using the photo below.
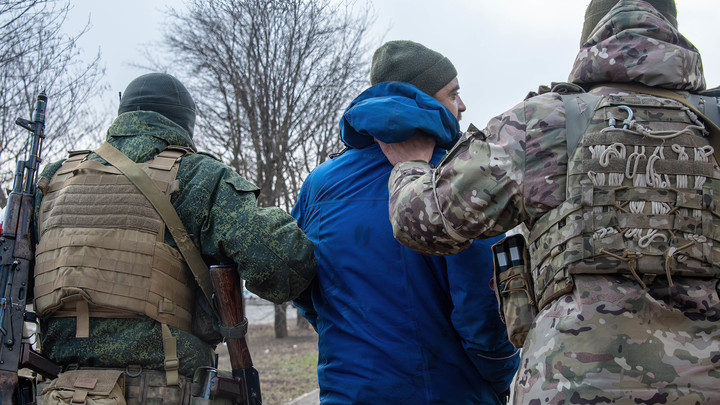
(281, 321)
(301, 322)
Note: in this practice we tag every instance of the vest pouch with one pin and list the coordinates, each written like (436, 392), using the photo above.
(204, 322)
(513, 288)
(92, 387)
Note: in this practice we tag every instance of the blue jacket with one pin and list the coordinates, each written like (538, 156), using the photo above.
(395, 327)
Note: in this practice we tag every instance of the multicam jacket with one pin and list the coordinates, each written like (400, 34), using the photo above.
(608, 339)
(219, 211)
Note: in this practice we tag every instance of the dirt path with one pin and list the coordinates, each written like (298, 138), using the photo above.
(287, 367)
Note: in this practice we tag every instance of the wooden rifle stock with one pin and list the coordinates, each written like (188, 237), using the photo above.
(17, 254)
(229, 301)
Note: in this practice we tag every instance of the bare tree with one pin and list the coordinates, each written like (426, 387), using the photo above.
(275, 76)
(35, 55)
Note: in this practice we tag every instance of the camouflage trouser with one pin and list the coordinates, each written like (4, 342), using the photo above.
(611, 341)
(148, 387)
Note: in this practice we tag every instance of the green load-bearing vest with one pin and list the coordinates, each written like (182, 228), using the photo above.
(101, 250)
(642, 197)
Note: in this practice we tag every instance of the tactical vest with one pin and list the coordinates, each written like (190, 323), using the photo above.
(102, 251)
(642, 196)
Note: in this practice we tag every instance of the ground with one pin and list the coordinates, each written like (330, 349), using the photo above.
(287, 366)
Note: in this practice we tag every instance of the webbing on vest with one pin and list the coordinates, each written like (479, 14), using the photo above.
(711, 117)
(641, 197)
(167, 212)
(102, 243)
(577, 121)
(186, 246)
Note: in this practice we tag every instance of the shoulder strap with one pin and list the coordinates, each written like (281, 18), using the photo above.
(711, 106)
(167, 212)
(711, 126)
(576, 122)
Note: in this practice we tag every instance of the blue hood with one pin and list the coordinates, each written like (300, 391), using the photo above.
(393, 112)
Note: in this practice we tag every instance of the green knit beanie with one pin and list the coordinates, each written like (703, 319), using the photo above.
(413, 63)
(598, 8)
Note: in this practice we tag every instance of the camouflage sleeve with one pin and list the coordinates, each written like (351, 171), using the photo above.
(487, 184)
(219, 208)
(475, 190)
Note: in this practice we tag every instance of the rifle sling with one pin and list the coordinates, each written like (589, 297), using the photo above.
(167, 212)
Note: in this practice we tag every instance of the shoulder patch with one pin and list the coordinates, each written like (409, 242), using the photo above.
(241, 184)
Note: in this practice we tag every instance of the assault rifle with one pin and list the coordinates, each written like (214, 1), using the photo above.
(244, 387)
(17, 252)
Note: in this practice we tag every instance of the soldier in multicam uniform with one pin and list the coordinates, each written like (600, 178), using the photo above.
(111, 286)
(623, 262)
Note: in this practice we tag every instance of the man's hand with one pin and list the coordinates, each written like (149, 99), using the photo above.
(417, 147)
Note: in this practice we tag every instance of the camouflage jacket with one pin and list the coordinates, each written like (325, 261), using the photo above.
(514, 171)
(219, 210)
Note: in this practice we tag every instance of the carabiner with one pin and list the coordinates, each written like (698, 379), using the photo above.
(630, 116)
(612, 120)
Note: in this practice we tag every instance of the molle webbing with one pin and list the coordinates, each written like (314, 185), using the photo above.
(102, 250)
(643, 200)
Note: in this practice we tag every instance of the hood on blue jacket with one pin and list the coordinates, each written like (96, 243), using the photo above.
(393, 112)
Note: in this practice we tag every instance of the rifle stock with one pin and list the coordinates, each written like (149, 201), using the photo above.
(17, 253)
(229, 300)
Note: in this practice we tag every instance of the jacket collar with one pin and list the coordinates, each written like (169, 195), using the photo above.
(393, 112)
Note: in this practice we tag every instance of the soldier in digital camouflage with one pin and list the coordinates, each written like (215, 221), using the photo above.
(619, 189)
(108, 274)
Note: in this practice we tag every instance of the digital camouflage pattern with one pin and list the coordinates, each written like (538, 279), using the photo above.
(608, 340)
(219, 210)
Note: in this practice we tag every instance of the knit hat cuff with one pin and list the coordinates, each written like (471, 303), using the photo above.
(435, 77)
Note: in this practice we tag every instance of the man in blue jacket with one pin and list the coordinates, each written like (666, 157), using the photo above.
(397, 327)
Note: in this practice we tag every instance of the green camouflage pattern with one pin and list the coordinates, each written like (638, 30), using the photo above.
(219, 210)
(116, 343)
(602, 338)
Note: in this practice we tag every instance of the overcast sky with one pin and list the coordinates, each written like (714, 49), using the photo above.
(502, 49)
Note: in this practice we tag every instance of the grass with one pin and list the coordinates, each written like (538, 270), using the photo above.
(287, 366)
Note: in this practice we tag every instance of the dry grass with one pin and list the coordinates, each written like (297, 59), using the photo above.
(287, 367)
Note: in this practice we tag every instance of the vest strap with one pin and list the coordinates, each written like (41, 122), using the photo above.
(82, 329)
(172, 364)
